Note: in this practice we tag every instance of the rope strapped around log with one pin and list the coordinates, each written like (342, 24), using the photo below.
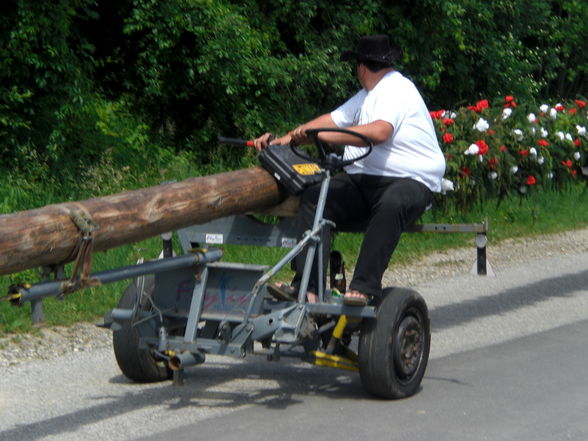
(82, 253)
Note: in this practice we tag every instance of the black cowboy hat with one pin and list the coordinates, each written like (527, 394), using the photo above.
(374, 48)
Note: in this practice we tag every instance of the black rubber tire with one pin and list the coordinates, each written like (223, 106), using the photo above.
(137, 364)
(394, 347)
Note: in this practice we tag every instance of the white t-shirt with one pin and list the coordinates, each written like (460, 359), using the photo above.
(412, 150)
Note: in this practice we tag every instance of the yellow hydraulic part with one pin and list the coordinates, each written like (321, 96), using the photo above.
(14, 295)
(340, 327)
(323, 359)
(349, 361)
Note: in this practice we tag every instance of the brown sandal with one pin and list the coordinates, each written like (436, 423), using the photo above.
(355, 298)
(281, 291)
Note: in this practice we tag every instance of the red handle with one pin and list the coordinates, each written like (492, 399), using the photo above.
(235, 141)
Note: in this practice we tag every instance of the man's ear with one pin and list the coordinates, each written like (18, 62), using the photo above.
(360, 66)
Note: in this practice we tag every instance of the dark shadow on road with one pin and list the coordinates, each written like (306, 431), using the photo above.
(508, 300)
(204, 388)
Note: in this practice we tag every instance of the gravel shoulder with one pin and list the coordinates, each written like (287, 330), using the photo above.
(52, 342)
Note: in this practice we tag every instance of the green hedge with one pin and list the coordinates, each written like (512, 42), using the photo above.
(188, 70)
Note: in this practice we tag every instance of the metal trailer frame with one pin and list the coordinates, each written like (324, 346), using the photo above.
(223, 307)
(195, 305)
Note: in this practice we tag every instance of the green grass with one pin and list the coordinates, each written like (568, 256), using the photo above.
(541, 213)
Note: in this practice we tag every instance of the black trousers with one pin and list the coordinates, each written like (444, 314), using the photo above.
(380, 206)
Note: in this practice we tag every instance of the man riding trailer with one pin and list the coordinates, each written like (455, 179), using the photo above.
(187, 310)
(387, 190)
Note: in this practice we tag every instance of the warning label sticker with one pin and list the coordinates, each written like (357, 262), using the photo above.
(306, 169)
(214, 238)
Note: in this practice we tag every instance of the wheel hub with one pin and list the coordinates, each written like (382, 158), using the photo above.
(409, 346)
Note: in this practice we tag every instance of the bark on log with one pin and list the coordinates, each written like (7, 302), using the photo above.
(48, 235)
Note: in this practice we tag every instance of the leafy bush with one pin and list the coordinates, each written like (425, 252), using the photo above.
(185, 71)
(195, 69)
(44, 71)
(504, 149)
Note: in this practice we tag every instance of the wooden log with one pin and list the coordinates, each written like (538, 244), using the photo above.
(48, 235)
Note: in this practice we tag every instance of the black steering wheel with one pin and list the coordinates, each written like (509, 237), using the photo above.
(331, 161)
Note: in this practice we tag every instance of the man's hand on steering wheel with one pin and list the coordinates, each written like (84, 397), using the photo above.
(299, 136)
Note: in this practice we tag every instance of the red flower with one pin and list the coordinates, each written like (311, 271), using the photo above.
(480, 105)
(448, 138)
(580, 104)
(531, 180)
(465, 171)
(543, 143)
(483, 104)
(510, 102)
(490, 132)
(524, 152)
(448, 155)
(438, 114)
(567, 163)
(572, 111)
(493, 162)
(577, 142)
(483, 147)
(448, 122)
(560, 108)
(503, 148)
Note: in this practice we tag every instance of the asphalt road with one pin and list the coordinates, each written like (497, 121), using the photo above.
(509, 362)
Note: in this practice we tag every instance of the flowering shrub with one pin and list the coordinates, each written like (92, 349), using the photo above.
(510, 148)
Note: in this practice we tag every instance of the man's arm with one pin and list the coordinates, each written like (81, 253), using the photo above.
(298, 134)
(378, 131)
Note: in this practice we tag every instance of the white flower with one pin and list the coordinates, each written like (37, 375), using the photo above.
(473, 149)
(449, 114)
(482, 125)
(514, 169)
(519, 134)
(544, 108)
(541, 160)
(544, 133)
(577, 156)
(523, 189)
(533, 151)
(569, 137)
(553, 113)
(581, 131)
(506, 112)
(493, 175)
(550, 175)
(531, 117)
(533, 131)
(446, 185)
(561, 135)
